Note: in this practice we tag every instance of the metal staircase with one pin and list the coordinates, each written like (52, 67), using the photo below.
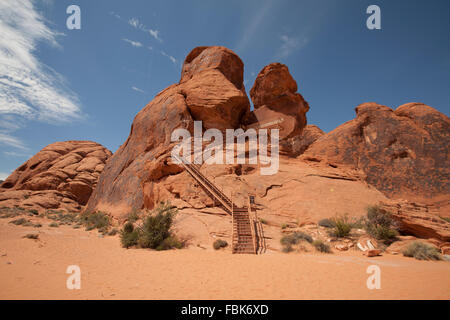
(244, 235)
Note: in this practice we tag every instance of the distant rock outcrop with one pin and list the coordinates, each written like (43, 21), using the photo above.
(403, 153)
(60, 176)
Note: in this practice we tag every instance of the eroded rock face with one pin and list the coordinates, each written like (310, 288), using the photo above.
(299, 144)
(211, 90)
(403, 153)
(418, 219)
(274, 96)
(61, 175)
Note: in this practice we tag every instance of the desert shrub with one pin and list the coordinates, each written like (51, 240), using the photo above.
(170, 243)
(128, 235)
(321, 246)
(37, 225)
(34, 211)
(219, 243)
(342, 226)
(156, 227)
(294, 238)
(19, 221)
(421, 251)
(54, 225)
(327, 223)
(284, 226)
(263, 221)
(133, 216)
(32, 236)
(28, 224)
(96, 220)
(380, 224)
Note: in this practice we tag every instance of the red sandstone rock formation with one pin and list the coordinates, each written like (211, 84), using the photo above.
(403, 153)
(211, 89)
(60, 176)
(274, 96)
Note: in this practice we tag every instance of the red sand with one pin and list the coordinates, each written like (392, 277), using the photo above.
(38, 271)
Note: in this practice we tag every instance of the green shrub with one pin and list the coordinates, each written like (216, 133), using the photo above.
(154, 233)
(133, 216)
(53, 225)
(380, 224)
(128, 235)
(156, 227)
(34, 211)
(284, 226)
(263, 221)
(287, 248)
(342, 226)
(96, 220)
(170, 243)
(321, 246)
(19, 221)
(219, 243)
(327, 223)
(421, 251)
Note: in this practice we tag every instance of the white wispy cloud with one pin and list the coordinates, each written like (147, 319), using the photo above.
(291, 44)
(11, 141)
(169, 56)
(16, 154)
(254, 24)
(137, 89)
(28, 87)
(136, 44)
(155, 34)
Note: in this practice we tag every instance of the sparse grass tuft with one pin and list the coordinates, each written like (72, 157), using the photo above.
(342, 226)
(19, 221)
(321, 246)
(96, 220)
(422, 251)
(219, 243)
(380, 224)
(295, 238)
(263, 221)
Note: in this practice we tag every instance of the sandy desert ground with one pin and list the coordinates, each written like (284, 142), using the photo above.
(36, 269)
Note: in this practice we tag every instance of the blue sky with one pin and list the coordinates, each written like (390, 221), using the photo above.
(58, 84)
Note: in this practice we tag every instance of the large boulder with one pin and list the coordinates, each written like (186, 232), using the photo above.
(212, 83)
(60, 176)
(403, 153)
(211, 89)
(275, 98)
